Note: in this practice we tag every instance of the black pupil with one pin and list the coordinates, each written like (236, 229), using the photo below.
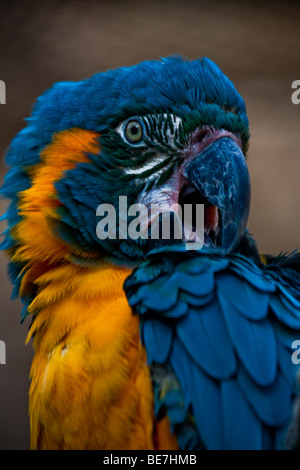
(134, 130)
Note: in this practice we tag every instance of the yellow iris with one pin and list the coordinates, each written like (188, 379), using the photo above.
(134, 131)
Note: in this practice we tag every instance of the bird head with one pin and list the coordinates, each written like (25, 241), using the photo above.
(161, 134)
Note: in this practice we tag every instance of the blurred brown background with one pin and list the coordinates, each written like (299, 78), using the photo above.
(257, 45)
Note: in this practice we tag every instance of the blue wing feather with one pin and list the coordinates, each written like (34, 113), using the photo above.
(254, 342)
(201, 332)
(246, 299)
(242, 428)
(203, 393)
(230, 349)
(273, 403)
(288, 316)
(153, 332)
(207, 407)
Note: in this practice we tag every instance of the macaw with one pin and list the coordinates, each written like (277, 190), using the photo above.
(145, 343)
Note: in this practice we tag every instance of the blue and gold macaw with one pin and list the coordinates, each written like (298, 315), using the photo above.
(142, 343)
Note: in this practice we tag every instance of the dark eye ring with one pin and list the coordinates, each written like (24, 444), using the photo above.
(133, 131)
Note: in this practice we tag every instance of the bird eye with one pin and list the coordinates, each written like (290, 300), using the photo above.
(133, 131)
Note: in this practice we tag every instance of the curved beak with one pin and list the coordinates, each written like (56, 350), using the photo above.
(220, 174)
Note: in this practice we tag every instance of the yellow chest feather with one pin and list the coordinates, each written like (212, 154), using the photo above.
(90, 385)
